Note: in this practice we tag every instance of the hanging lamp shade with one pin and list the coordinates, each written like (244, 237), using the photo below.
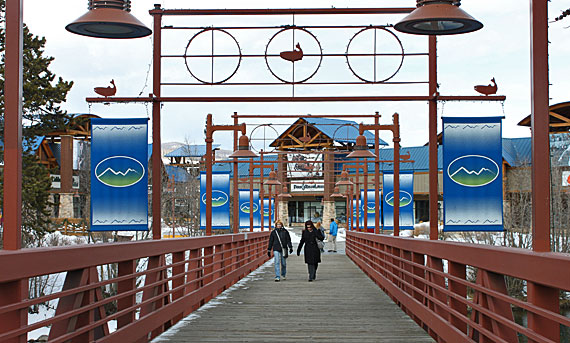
(337, 193)
(243, 150)
(361, 149)
(344, 181)
(272, 180)
(109, 19)
(438, 17)
(285, 193)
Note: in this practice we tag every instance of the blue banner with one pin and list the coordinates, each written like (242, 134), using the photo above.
(352, 219)
(266, 212)
(406, 201)
(244, 209)
(119, 177)
(220, 201)
(472, 174)
(371, 210)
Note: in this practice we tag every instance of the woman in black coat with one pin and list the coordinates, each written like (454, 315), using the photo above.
(312, 252)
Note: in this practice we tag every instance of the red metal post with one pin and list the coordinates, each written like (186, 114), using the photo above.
(261, 192)
(236, 178)
(156, 139)
(433, 171)
(357, 196)
(540, 127)
(16, 291)
(377, 175)
(544, 297)
(396, 174)
(208, 155)
(365, 198)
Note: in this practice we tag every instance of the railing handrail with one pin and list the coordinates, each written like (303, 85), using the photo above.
(62, 259)
(540, 267)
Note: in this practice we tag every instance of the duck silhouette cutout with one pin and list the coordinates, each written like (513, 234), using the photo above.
(487, 90)
(106, 91)
(293, 56)
(406, 157)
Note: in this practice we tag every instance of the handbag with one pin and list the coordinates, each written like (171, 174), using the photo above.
(320, 244)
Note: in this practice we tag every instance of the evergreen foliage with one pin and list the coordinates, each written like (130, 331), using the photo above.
(42, 114)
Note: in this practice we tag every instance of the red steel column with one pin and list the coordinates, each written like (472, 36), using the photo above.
(16, 291)
(236, 178)
(539, 295)
(433, 172)
(208, 155)
(66, 169)
(156, 139)
(396, 174)
(377, 175)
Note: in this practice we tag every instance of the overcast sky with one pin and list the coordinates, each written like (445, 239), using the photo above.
(499, 50)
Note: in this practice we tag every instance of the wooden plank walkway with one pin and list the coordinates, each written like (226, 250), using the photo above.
(342, 305)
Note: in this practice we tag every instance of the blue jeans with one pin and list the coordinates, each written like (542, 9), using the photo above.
(280, 264)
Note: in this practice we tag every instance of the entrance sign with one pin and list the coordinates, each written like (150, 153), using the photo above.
(406, 201)
(310, 186)
(244, 208)
(472, 174)
(220, 201)
(119, 179)
(305, 165)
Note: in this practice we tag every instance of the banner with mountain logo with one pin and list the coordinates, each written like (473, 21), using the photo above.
(220, 200)
(406, 201)
(244, 206)
(266, 212)
(119, 176)
(370, 210)
(472, 174)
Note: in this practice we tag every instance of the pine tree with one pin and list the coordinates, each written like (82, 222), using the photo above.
(42, 114)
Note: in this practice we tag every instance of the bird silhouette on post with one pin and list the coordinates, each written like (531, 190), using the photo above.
(106, 91)
(406, 156)
(293, 56)
(487, 90)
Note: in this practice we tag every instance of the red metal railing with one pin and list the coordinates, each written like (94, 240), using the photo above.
(429, 280)
(179, 275)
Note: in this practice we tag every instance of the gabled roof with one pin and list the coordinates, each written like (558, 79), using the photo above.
(190, 151)
(559, 118)
(336, 130)
(344, 131)
(32, 145)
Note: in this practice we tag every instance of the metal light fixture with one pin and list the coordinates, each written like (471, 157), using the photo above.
(109, 19)
(344, 181)
(361, 149)
(438, 17)
(243, 150)
(272, 181)
(337, 193)
(285, 193)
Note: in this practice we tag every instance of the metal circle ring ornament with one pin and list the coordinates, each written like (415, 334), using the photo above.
(375, 28)
(310, 34)
(256, 129)
(186, 56)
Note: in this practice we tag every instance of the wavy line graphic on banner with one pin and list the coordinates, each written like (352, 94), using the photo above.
(119, 171)
(405, 198)
(371, 207)
(219, 198)
(245, 207)
(473, 170)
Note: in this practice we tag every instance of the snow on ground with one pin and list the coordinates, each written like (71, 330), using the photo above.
(242, 284)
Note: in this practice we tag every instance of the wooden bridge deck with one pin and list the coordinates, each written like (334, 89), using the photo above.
(342, 305)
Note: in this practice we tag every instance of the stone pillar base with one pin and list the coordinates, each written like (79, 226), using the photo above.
(329, 211)
(284, 212)
(66, 205)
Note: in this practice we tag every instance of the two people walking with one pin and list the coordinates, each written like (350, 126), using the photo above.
(280, 244)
